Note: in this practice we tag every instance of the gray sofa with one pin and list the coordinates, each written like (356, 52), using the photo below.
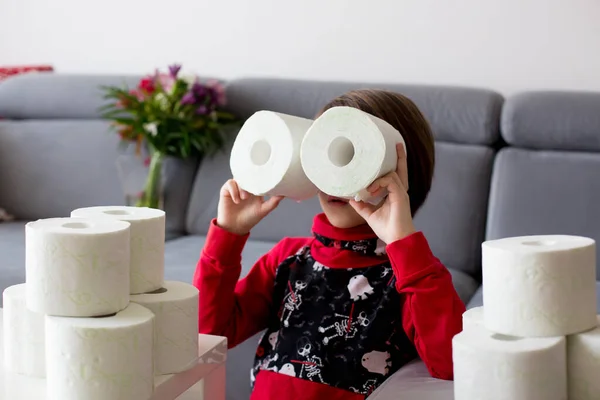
(526, 164)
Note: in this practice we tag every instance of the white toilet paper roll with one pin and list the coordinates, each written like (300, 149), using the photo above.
(583, 364)
(147, 242)
(101, 358)
(77, 267)
(493, 366)
(265, 157)
(23, 335)
(176, 326)
(473, 318)
(533, 284)
(346, 149)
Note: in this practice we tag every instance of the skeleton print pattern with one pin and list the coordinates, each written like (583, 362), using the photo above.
(337, 326)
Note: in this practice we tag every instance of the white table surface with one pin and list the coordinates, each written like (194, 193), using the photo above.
(204, 381)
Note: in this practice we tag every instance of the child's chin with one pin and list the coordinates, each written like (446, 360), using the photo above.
(343, 217)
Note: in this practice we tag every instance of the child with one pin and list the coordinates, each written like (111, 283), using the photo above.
(344, 309)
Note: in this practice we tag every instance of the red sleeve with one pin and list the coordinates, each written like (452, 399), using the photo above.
(236, 309)
(432, 310)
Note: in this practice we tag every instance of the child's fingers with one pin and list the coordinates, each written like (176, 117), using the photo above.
(232, 189)
(391, 182)
(363, 209)
(244, 195)
(269, 205)
(402, 166)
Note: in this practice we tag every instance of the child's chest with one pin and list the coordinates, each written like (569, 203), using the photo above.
(341, 327)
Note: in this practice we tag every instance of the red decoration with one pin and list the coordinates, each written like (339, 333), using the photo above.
(6, 72)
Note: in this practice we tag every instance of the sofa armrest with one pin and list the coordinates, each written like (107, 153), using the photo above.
(413, 382)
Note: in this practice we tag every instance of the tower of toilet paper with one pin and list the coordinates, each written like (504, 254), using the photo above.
(537, 335)
(95, 316)
(340, 153)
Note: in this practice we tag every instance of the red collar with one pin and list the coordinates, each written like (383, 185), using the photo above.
(338, 255)
(323, 227)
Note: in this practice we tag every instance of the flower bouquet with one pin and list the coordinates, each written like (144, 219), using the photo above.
(168, 114)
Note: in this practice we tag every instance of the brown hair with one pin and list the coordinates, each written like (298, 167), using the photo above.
(405, 116)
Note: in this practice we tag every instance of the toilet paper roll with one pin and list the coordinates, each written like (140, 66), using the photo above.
(100, 358)
(493, 366)
(583, 364)
(23, 335)
(147, 266)
(77, 267)
(473, 318)
(176, 325)
(265, 157)
(539, 285)
(346, 149)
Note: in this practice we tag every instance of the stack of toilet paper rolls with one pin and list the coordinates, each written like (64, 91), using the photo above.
(340, 153)
(537, 335)
(95, 316)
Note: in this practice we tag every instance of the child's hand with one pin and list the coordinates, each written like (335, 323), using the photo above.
(239, 211)
(392, 220)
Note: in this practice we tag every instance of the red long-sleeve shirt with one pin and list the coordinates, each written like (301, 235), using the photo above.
(339, 315)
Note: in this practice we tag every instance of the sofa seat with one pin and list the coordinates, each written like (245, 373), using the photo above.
(414, 382)
(12, 251)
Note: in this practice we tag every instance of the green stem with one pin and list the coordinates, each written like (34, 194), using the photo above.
(152, 190)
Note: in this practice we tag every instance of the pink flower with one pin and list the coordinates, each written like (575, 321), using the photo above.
(137, 94)
(166, 81)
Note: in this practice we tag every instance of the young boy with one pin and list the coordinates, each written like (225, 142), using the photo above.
(344, 309)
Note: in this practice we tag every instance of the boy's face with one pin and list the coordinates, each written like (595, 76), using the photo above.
(339, 212)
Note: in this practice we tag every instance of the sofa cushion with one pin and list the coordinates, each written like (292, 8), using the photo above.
(182, 254)
(553, 120)
(465, 115)
(50, 167)
(453, 216)
(545, 192)
(57, 96)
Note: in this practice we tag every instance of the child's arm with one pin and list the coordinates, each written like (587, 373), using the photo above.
(228, 307)
(432, 310)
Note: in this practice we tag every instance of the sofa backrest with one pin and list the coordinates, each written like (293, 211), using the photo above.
(466, 127)
(57, 154)
(548, 180)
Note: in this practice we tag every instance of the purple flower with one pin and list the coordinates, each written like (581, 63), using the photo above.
(202, 110)
(198, 89)
(188, 98)
(174, 70)
(217, 91)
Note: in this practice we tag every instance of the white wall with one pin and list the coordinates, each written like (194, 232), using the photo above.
(507, 45)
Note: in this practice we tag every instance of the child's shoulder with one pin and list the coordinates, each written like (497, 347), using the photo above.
(291, 245)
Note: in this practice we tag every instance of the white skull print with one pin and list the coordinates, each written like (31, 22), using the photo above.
(377, 362)
(273, 339)
(381, 248)
(359, 287)
(317, 266)
(288, 369)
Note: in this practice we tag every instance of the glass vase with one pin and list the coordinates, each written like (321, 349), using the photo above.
(141, 179)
